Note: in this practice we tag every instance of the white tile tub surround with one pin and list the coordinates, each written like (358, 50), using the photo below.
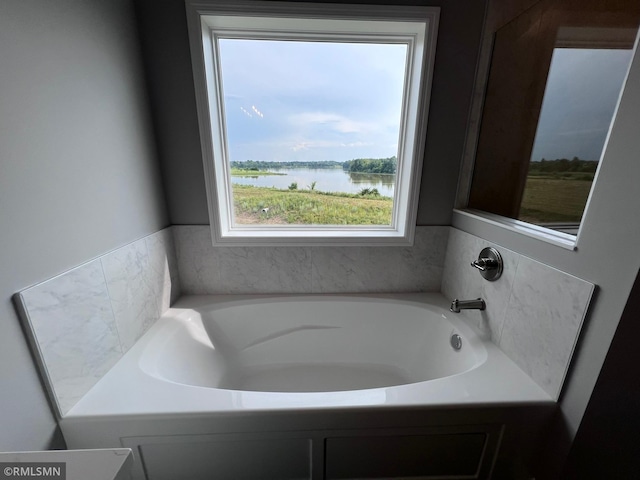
(72, 321)
(139, 280)
(131, 292)
(548, 306)
(84, 320)
(534, 311)
(164, 264)
(205, 269)
(461, 280)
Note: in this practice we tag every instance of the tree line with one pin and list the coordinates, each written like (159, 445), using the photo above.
(371, 165)
(257, 165)
(563, 165)
(357, 165)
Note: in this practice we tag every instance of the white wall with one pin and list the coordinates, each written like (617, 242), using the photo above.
(607, 255)
(78, 173)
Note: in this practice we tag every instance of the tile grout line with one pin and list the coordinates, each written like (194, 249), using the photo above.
(113, 313)
(506, 308)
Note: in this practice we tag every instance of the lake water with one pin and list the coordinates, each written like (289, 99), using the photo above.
(327, 180)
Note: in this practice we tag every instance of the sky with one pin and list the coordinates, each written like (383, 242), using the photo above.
(582, 92)
(311, 101)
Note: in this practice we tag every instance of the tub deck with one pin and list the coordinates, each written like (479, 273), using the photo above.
(132, 387)
(490, 414)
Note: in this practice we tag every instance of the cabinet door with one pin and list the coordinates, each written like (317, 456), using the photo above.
(264, 459)
(457, 455)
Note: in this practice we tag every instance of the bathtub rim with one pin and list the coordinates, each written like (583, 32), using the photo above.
(126, 390)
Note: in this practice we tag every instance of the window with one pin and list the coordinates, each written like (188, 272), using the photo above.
(312, 119)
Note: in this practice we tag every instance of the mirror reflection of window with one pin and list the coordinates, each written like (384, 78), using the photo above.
(580, 98)
(556, 74)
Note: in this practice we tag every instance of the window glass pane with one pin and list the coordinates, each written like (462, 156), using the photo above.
(312, 130)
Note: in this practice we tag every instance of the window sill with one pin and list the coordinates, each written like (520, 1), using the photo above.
(313, 236)
(560, 239)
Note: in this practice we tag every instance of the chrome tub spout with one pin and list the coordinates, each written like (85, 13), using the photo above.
(477, 304)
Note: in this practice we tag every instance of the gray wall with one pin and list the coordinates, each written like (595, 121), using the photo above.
(78, 173)
(607, 255)
(606, 445)
(167, 56)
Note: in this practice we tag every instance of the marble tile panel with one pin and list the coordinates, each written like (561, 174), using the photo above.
(73, 323)
(163, 268)
(350, 270)
(131, 290)
(542, 321)
(264, 269)
(205, 269)
(197, 259)
(382, 269)
(461, 280)
(430, 245)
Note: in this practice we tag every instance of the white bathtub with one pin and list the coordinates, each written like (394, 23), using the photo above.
(224, 366)
(310, 344)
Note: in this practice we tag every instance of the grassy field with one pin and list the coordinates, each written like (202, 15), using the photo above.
(560, 199)
(308, 207)
(547, 199)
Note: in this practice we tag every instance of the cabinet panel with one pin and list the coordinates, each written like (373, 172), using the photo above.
(456, 455)
(264, 459)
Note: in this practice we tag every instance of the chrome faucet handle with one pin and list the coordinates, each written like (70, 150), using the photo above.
(489, 263)
(484, 263)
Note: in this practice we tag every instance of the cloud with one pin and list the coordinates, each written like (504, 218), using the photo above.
(309, 144)
(334, 121)
(311, 100)
(356, 144)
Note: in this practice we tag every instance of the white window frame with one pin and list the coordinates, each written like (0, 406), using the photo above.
(414, 26)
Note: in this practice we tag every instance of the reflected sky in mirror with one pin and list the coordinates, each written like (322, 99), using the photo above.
(581, 95)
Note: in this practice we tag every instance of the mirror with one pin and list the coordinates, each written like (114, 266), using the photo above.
(556, 74)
